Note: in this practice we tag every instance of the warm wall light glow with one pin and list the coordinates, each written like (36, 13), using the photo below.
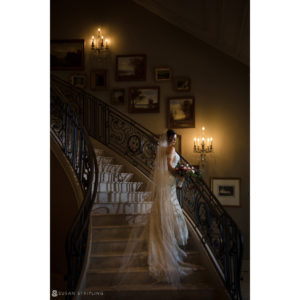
(203, 128)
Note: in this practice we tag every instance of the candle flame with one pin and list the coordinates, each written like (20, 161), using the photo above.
(203, 128)
(99, 29)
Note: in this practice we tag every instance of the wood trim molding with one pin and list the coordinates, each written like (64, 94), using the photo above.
(56, 150)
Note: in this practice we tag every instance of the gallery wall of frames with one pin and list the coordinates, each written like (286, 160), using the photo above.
(162, 78)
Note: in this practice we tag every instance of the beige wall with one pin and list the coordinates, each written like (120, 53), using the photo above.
(220, 84)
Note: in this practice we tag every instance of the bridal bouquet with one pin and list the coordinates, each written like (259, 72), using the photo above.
(185, 171)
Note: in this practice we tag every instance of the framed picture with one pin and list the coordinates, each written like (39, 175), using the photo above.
(181, 112)
(131, 67)
(227, 190)
(178, 144)
(118, 96)
(67, 54)
(99, 80)
(162, 74)
(143, 99)
(78, 80)
(182, 84)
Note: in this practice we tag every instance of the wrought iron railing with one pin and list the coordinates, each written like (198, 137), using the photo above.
(70, 135)
(219, 233)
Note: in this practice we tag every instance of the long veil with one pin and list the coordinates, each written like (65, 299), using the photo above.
(157, 239)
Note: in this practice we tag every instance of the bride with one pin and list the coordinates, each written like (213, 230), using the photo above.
(166, 229)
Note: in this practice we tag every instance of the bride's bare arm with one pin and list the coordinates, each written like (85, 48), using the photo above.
(169, 160)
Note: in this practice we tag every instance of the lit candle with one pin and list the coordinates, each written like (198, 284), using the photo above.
(207, 142)
(102, 41)
(93, 42)
(106, 43)
(211, 140)
(203, 141)
(198, 142)
(98, 37)
(194, 142)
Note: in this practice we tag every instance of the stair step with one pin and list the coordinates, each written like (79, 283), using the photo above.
(120, 197)
(109, 168)
(119, 187)
(116, 246)
(99, 151)
(114, 260)
(159, 291)
(104, 160)
(136, 276)
(116, 231)
(118, 177)
(122, 208)
(120, 219)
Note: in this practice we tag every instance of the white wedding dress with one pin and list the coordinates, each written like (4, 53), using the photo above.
(165, 228)
(181, 231)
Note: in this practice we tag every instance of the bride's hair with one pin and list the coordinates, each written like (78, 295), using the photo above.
(170, 134)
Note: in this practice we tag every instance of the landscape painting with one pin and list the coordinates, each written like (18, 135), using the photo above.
(131, 67)
(67, 54)
(143, 100)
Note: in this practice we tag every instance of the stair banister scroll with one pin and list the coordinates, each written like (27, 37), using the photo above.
(220, 235)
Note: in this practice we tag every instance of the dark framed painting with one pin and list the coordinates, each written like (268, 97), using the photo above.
(78, 80)
(143, 99)
(117, 96)
(181, 112)
(182, 84)
(162, 74)
(227, 190)
(67, 54)
(99, 80)
(131, 67)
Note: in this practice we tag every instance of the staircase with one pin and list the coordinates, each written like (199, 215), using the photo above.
(118, 200)
(120, 204)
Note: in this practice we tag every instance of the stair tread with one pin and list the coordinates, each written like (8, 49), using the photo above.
(122, 202)
(144, 269)
(117, 226)
(154, 286)
(116, 254)
(100, 240)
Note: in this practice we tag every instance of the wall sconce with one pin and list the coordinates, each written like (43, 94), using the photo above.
(99, 45)
(203, 146)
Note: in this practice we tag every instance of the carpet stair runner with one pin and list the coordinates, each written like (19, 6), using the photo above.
(122, 204)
